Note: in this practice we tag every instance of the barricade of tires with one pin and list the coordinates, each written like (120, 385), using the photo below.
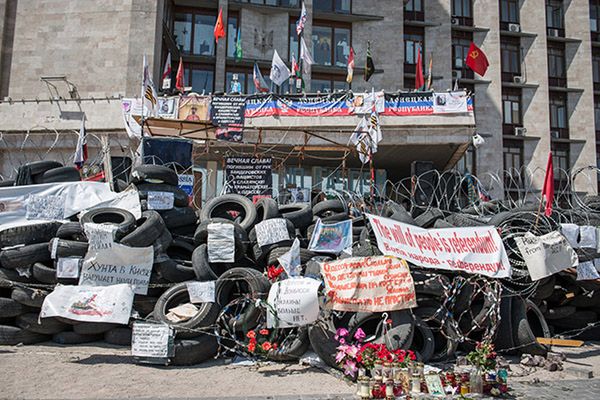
(454, 310)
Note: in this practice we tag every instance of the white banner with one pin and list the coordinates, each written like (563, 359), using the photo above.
(90, 304)
(118, 264)
(546, 255)
(100, 236)
(294, 302)
(150, 340)
(23, 205)
(450, 103)
(271, 231)
(221, 244)
(477, 250)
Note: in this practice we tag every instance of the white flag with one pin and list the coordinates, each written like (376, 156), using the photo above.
(290, 261)
(149, 97)
(279, 71)
(305, 56)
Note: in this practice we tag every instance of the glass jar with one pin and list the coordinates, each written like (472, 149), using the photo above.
(364, 388)
(415, 386)
(389, 390)
(387, 372)
(476, 382)
(377, 371)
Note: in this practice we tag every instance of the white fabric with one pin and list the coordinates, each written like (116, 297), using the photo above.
(305, 56)
(279, 71)
(587, 237)
(571, 232)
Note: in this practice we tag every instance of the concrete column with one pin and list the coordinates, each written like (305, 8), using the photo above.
(387, 44)
(580, 105)
(308, 28)
(535, 101)
(221, 51)
(437, 39)
(488, 96)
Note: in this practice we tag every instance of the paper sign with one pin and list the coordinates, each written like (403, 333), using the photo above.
(587, 237)
(201, 292)
(597, 264)
(271, 231)
(331, 238)
(571, 232)
(160, 200)
(100, 236)
(46, 207)
(587, 271)
(68, 267)
(294, 302)
(151, 340)
(546, 255)
(290, 261)
(450, 103)
(476, 249)
(119, 264)
(369, 284)
(221, 244)
(89, 303)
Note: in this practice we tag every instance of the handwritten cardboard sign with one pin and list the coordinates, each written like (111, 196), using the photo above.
(221, 244)
(476, 249)
(546, 255)
(368, 284)
(90, 303)
(160, 200)
(151, 340)
(271, 231)
(100, 236)
(119, 264)
(201, 292)
(294, 302)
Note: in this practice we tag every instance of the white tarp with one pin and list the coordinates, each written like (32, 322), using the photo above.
(58, 201)
(89, 303)
(290, 261)
(221, 243)
(546, 255)
(294, 302)
(118, 264)
(476, 250)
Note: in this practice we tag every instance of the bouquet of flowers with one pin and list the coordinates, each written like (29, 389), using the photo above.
(483, 357)
(259, 343)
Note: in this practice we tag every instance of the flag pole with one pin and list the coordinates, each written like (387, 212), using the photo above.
(142, 94)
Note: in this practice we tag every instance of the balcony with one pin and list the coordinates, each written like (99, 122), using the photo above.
(509, 129)
(559, 134)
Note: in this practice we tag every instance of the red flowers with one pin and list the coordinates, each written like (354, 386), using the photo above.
(259, 345)
(369, 353)
(273, 272)
(266, 346)
(251, 347)
(264, 332)
(251, 334)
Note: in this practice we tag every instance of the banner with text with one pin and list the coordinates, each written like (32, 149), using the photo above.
(368, 284)
(90, 304)
(249, 176)
(476, 250)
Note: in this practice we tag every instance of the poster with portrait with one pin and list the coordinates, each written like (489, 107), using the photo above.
(168, 107)
(194, 108)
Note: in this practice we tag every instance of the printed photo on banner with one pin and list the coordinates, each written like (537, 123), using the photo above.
(449, 103)
(168, 107)
(476, 250)
(368, 284)
(331, 238)
(300, 195)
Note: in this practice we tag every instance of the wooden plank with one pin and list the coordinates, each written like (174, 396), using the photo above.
(560, 342)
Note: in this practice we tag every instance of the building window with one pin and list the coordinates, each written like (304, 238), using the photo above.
(461, 41)
(595, 18)
(194, 32)
(559, 124)
(562, 165)
(466, 164)
(413, 10)
(557, 74)
(509, 11)
(201, 78)
(555, 16)
(245, 78)
(331, 45)
(462, 11)
(326, 84)
(232, 33)
(597, 117)
(337, 6)
(596, 68)
(513, 164)
(414, 39)
(511, 58)
(511, 111)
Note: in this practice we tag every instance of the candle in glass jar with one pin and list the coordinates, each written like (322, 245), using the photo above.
(389, 390)
(365, 388)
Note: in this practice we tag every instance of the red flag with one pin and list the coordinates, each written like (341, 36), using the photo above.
(350, 67)
(419, 80)
(476, 60)
(179, 79)
(548, 191)
(219, 27)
